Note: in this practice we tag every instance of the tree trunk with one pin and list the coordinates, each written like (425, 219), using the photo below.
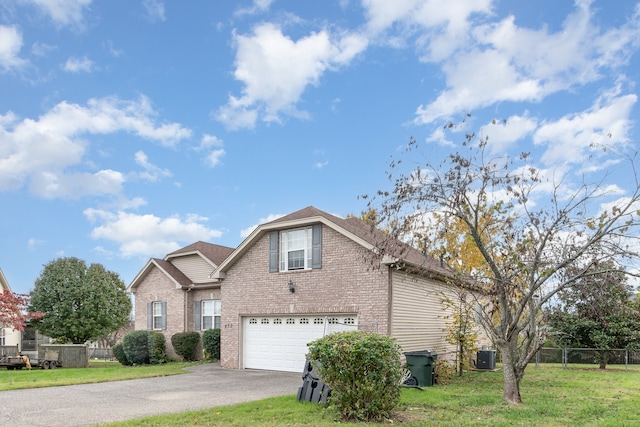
(511, 375)
(603, 359)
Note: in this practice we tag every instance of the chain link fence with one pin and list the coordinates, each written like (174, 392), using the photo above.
(620, 358)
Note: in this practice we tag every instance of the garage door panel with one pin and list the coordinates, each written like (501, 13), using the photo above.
(280, 342)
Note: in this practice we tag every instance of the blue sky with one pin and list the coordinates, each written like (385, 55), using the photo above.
(129, 129)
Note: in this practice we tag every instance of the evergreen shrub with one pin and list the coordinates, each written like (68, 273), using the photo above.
(211, 343)
(186, 344)
(363, 370)
(120, 355)
(157, 348)
(136, 347)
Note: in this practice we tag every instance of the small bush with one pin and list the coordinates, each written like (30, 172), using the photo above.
(186, 344)
(444, 371)
(120, 355)
(363, 370)
(157, 348)
(136, 347)
(211, 343)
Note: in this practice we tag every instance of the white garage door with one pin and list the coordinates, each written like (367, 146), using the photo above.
(279, 343)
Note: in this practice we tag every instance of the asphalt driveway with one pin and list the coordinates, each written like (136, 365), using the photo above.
(205, 386)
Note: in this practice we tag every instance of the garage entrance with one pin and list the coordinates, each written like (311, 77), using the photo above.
(279, 343)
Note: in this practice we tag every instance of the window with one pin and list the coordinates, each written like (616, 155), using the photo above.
(157, 315)
(211, 314)
(207, 314)
(298, 249)
(295, 249)
(2, 339)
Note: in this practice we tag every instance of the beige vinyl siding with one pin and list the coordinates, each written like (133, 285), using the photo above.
(417, 320)
(194, 267)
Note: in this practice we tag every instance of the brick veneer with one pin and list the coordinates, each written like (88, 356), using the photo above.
(156, 286)
(346, 283)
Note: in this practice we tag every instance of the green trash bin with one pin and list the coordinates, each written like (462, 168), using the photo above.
(422, 365)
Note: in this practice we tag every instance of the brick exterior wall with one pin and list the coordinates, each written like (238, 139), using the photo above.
(156, 286)
(346, 283)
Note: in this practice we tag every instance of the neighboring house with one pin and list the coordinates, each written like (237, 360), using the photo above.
(8, 336)
(293, 280)
(176, 294)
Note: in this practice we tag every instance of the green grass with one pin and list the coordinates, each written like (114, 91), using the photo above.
(552, 397)
(98, 372)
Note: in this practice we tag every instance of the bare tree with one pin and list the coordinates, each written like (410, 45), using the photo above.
(530, 250)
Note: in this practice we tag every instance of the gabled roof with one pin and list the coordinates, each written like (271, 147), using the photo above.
(213, 254)
(352, 228)
(4, 285)
(170, 270)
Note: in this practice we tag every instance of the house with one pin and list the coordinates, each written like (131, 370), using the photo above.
(177, 294)
(9, 337)
(291, 281)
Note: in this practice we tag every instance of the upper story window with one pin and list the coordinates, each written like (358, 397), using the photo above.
(296, 249)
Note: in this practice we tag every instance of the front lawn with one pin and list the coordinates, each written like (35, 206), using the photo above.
(101, 371)
(552, 397)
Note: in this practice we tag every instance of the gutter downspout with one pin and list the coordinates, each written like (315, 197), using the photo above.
(186, 304)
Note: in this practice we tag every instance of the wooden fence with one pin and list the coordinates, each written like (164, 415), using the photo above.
(8, 350)
(70, 355)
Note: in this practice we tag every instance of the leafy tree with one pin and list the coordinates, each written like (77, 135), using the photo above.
(462, 330)
(527, 249)
(597, 312)
(13, 310)
(79, 303)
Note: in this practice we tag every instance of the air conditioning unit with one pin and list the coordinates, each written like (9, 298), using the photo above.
(486, 359)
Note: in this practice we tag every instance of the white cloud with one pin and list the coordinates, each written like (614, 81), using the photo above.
(33, 243)
(40, 152)
(152, 172)
(63, 12)
(578, 138)
(10, 45)
(258, 6)
(214, 157)
(442, 25)
(272, 217)
(42, 49)
(52, 185)
(275, 70)
(512, 63)
(503, 135)
(213, 147)
(78, 65)
(155, 10)
(148, 235)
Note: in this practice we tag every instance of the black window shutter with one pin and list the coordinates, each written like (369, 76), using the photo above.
(149, 316)
(316, 246)
(273, 252)
(196, 314)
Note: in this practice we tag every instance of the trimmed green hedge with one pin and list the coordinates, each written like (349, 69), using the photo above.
(363, 370)
(211, 343)
(136, 347)
(186, 344)
(157, 348)
(141, 348)
(120, 355)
